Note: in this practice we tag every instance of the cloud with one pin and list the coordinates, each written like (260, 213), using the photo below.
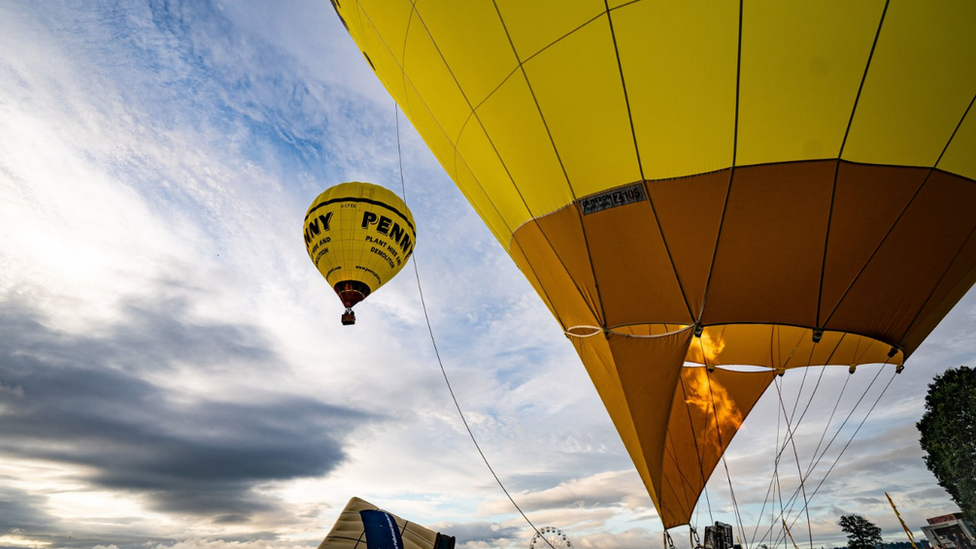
(21, 510)
(605, 489)
(635, 537)
(80, 401)
(473, 532)
(209, 543)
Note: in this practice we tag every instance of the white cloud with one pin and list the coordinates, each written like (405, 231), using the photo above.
(206, 543)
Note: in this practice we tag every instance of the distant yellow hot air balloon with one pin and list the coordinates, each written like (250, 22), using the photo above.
(359, 236)
(764, 182)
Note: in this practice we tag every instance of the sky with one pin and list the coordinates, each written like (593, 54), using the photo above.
(173, 373)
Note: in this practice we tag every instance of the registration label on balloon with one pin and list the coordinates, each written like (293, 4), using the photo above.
(613, 198)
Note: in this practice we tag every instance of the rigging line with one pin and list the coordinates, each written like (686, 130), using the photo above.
(772, 508)
(813, 457)
(799, 472)
(819, 444)
(718, 433)
(807, 407)
(698, 512)
(779, 485)
(799, 394)
(762, 510)
(396, 119)
(777, 489)
(691, 424)
(773, 479)
(830, 419)
(792, 499)
(803, 382)
(735, 503)
(823, 369)
(772, 511)
(850, 440)
(440, 362)
(769, 490)
(685, 484)
(856, 405)
(711, 518)
(709, 504)
(853, 436)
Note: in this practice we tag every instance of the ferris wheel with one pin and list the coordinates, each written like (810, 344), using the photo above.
(548, 537)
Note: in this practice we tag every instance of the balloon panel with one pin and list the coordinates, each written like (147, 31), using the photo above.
(959, 157)
(581, 101)
(707, 410)
(434, 83)
(918, 86)
(523, 147)
(680, 83)
(463, 38)
(771, 244)
(801, 68)
(532, 26)
(690, 215)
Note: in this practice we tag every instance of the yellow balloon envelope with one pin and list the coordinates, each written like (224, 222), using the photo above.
(359, 236)
(766, 182)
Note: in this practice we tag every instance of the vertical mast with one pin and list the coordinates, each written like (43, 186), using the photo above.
(911, 538)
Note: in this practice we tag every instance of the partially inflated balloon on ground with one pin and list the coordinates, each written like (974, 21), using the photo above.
(360, 526)
(359, 236)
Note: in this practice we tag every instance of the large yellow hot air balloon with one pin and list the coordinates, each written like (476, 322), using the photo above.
(763, 182)
(359, 236)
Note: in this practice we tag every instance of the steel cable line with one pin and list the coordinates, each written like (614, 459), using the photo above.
(437, 353)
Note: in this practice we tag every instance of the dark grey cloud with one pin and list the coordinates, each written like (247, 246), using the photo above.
(20, 510)
(87, 400)
(936, 492)
(151, 337)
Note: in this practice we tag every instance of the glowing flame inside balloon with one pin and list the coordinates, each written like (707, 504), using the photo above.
(705, 349)
(705, 397)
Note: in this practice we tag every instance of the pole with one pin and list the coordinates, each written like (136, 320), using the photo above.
(911, 538)
(789, 534)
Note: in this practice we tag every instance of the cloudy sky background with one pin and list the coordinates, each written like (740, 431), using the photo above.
(172, 370)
